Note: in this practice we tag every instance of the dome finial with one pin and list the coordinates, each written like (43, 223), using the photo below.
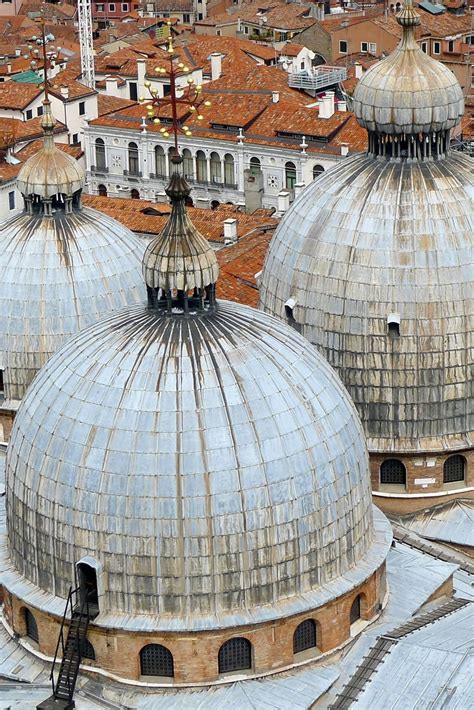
(179, 266)
(408, 18)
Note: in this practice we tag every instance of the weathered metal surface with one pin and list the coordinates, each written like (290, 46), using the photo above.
(211, 464)
(57, 275)
(50, 171)
(179, 257)
(374, 237)
(450, 523)
(409, 92)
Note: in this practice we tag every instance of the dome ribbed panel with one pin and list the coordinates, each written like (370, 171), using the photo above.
(408, 93)
(209, 464)
(57, 275)
(51, 172)
(371, 238)
(180, 257)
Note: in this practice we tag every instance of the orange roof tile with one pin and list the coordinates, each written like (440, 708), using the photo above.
(17, 96)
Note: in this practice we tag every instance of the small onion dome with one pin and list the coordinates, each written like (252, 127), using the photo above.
(408, 92)
(179, 257)
(50, 171)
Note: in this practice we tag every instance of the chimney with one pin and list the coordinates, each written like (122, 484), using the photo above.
(141, 71)
(358, 70)
(299, 187)
(9, 68)
(64, 92)
(111, 86)
(216, 66)
(230, 230)
(341, 105)
(344, 148)
(329, 99)
(283, 201)
(275, 97)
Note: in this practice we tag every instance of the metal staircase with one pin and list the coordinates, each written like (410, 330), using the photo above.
(70, 647)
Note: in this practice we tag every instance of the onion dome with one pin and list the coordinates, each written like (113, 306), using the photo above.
(62, 266)
(50, 173)
(202, 453)
(408, 95)
(179, 258)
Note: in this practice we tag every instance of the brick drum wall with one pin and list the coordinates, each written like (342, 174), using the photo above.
(195, 655)
(421, 469)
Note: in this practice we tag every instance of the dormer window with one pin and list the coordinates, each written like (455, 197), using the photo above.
(393, 325)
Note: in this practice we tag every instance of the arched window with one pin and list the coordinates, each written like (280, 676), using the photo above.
(100, 154)
(393, 471)
(304, 636)
(290, 175)
(31, 626)
(134, 194)
(254, 164)
(102, 191)
(171, 165)
(215, 168)
(133, 159)
(355, 613)
(317, 170)
(229, 175)
(188, 166)
(156, 660)
(201, 166)
(454, 469)
(235, 655)
(160, 161)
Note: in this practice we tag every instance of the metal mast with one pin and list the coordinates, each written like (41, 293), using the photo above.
(85, 39)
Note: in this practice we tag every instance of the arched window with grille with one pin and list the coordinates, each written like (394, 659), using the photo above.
(188, 166)
(229, 173)
(31, 626)
(102, 191)
(201, 166)
(392, 471)
(235, 655)
(290, 175)
(317, 170)
(100, 161)
(215, 164)
(133, 164)
(355, 613)
(305, 636)
(157, 660)
(454, 469)
(160, 161)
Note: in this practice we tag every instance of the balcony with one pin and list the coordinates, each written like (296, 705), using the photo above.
(319, 78)
(101, 169)
(158, 176)
(133, 173)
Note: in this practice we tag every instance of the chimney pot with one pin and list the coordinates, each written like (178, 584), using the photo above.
(283, 201)
(230, 230)
(64, 92)
(344, 148)
(216, 66)
(358, 70)
(275, 97)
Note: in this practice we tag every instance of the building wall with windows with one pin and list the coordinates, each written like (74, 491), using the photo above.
(214, 168)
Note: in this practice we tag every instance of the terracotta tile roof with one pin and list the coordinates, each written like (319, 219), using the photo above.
(109, 104)
(279, 15)
(352, 134)
(238, 265)
(286, 117)
(68, 77)
(17, 96)
(26, 130)
(291, 49)
(35, 146)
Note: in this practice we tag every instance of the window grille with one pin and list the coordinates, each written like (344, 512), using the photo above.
(156, 660)
(355, 610)
(235, 655)
(393, 471)
(454, 469)
(304, 636)
(31, 626)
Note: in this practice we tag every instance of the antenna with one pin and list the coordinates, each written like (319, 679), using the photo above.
(85, 40)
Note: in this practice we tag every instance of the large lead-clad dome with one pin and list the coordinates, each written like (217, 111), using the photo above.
(210, 464)
(378, 240)
(374, 262)
(62, 266)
